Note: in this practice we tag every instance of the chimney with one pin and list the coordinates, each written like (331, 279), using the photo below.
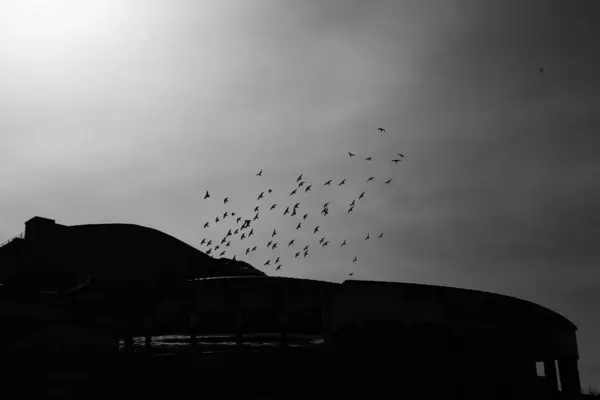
(39, 228)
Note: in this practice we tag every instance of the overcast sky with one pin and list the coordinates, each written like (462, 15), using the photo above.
(128, 110)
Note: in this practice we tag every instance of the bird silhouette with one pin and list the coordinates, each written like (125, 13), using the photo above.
(291, 243)
(247, 250)
(243, 236)
(255, 217)
(351, 210)
(301, 184)
(269, 243)
(273, 207)
(305, 248)
(325, 243)
(388, 181)
(274, 233)
(260, 173)
(293, 192)
(325, 211)
(233, 214)
(368, 237)
(369, 158)
(326, 205)
(351, 274)
(361, 195)
(256, 209)
(316, 229)
(222, 253)
(238, 219)
(270, 191)
(354, 260)
(236, 231)
(293, 212)
(260, 196)
(297, 255)
(351, 154)
(287, 210)
(342, 182)
(253, 248)
(307, 189)
(207, 195)
(225, 214)
(380, 236)
(225, 200)
(299, 225)
(224, 240)
(203, 241)
(343, 244)
(277, 261)
(396, 161)
(206, 225)
(305, 254)
(400, 155)
(328, 183)
(228, 244)
(370, 179)
(217, 219)
(296, 205)
(299, 178)
(322, 240)
(217, 247)
(353, 203)
(381, 129)
(268, 262)
(209, 251)
(274, 246)
(209, 243)
(229, 233)
(251, 232)
(304, 217)
(278, 268)
(234, 258)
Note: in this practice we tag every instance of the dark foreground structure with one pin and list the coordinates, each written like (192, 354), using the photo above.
(68, 298)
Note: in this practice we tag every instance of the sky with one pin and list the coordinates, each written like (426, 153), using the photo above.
(129, 110)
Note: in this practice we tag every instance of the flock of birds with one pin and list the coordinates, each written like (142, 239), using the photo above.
(244, 228)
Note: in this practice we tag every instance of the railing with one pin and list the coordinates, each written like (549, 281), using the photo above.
(19, 236)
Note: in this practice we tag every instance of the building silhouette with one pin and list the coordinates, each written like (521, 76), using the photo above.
(93, 285)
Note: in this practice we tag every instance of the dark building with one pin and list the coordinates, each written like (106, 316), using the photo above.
(380, 339)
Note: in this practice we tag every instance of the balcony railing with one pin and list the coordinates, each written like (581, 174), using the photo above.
(19, 236)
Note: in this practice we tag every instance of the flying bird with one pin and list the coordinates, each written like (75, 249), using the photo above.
(206, 225)
(228, 244)
(287, 210)
(209, 243)
(368, 237)
(369, 158)
(203, 241)
(380, 236)
(343, 244)
(307, 189)
(224, 240)
(277, 261)
(388, 181)
(243, 236)
(225, 214)
(305, 216)
(316, 229)
(293, 212)
(278, 268)
(229, 233)
(299, 225)
(225, 200)
(325, 211)
(396, 161)
(234, 258)
(268, 262)
(233, 214)
(291, 243)
(342, 182)
(326, 243)
(254, 248)
(351, 274)
(301, 184)
(236, 231)
(209, 251)
(325, 205)
(381, 129)
(322, 240)
(255, 217)
(354, 260)
(270, 191)
(351, 210)
(299, 178)
(260, 173)
(297, 255)
(273, 207)
(353, 203)
(296, 205)
(251, 232)
(217, 247)
(238, 219)
(361, 195)
(370, 179)
(305, 254)
(351, 154)
(293, 192)
(256, 209)
(207, 195)
(260, 196)
(222, 253)
(269, 243)
(274, 246)
(217, 219)
(305, 248)
(247, 250)
(328, 183)
(400, 155)
(274, 233)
